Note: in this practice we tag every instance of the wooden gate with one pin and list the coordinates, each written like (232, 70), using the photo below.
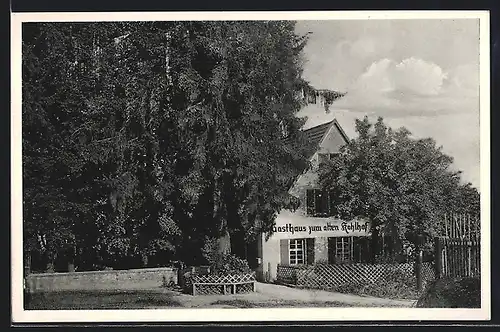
(458, 252)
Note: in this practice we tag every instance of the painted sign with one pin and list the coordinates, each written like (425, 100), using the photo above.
(295, 225)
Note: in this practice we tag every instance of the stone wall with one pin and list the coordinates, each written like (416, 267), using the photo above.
(103, 280)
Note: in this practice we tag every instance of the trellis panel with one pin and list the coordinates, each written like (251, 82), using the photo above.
(213, 284)
(330, 276)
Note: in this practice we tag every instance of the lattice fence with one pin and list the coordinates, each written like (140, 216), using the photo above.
(212, 284)
(210, 290)
(223, 279)
(244, 288)
(428, 272)
(326, 276)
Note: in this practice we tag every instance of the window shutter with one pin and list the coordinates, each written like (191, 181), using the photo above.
(331, 207)
(310, 251)
(331, 250)
(310, 202)
(318, 202)
(325, 209)
(335, 250)
(284, 252)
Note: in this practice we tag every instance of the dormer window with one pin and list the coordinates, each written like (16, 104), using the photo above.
(318, 203)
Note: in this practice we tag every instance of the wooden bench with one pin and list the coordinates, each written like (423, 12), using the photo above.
(232, 285)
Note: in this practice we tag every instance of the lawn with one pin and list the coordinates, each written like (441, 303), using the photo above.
(239, 303)
(100, 300)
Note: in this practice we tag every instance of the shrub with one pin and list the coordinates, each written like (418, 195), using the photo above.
(209, 250)
(452, 293)
(350, 288)
(229, 264)
(395, 285)
(221, 263)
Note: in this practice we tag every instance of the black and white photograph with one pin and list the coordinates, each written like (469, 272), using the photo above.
(322, 166)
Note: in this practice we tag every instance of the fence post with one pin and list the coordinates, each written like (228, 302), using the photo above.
(438, 257)
(418, 269)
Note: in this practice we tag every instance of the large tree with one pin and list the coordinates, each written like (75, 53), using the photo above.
(403, 185)
(144, 139)
(244, 80)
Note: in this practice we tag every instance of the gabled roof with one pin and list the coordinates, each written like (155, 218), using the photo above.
(316, 134)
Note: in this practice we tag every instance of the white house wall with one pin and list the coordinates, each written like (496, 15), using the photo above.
(296, 225)
(301, 223)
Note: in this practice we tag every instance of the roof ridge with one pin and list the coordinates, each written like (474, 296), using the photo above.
(321, 124)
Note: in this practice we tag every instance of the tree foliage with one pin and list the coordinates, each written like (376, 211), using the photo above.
(402, 184)
(141, 140)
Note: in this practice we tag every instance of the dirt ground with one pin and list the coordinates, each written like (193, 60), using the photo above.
(276, 295)
(266, 295)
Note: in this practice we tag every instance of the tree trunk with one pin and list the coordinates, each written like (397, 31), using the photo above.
(238, 244)
(398, 249)
(50, 267)
(375, 244)
(397, 244)
(70, 256)
(224, 244)
(144, 260)
(418, 269)
(51, 258)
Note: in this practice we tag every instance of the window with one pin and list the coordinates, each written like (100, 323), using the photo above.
(349, 250)
(340, 250)
(343, 249)
(318, 202)
(361, 249)
(297, 251)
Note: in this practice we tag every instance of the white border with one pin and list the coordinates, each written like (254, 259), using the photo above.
(19, 315)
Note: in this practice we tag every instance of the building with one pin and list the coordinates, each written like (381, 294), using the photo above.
(311, 234)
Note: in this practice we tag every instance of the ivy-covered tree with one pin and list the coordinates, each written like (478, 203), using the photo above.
(84, 97)
(237, 90)
(143, 139)
(401, 184)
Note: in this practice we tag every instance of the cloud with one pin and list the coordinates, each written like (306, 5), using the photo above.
(366, 47)
(378, 78)
(464, 80)
(421, 74)
(354, 54)
(457, 133)
(413, 87)
(420, 96)
(419, 77)
(413, 76)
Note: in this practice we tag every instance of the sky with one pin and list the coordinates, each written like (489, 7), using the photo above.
(419, 74)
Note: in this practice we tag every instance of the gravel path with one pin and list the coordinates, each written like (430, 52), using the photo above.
(266, 296)
(275, 294)
(308, 295)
